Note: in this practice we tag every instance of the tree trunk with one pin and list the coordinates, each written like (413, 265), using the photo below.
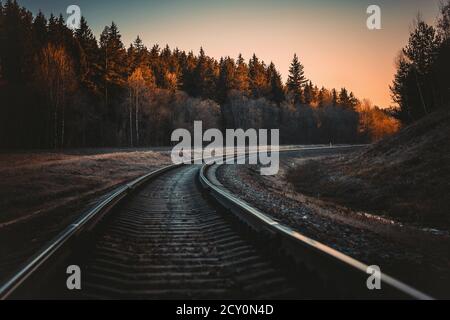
(55, 118)
(84, 129)
(137, 117)
(131, 118)
(420, 91)
(63, 111)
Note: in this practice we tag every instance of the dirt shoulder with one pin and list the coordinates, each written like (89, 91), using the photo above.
(416, 256)
(42, 192)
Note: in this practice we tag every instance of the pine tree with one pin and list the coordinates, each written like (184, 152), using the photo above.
(276, 93)
(315, 93)
(52, 28)
(347, 100)
(16, 50)
(138, 54)
(172, 69)
(89, 53)
(187, 73)
(205, 77)
(343, 99)
(308, 93)
(422, 47)
(415, 88)
(241, 79)
(444, 21)
(154, 52)
(226, 78)
(296, 79)
(441, 67)
(112, 66)
(40, 30)
(199, 74)
(334, 98)
(62, 35)
(17, 68)
(259, 85)
(322, 97)
(352, 102)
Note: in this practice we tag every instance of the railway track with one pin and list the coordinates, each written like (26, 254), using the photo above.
(177, 234)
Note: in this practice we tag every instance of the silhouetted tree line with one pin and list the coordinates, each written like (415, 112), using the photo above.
(422, 81)
(63, 88)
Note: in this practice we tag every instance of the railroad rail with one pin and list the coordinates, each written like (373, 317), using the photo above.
(170, 234)
(335, 272)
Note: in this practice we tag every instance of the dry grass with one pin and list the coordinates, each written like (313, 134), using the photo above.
(32, 183)
(41, 193)
(405, 177)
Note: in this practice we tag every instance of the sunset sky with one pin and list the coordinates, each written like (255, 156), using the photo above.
(329, 36)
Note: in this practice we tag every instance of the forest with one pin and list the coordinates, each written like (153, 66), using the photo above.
(422, 82)
(67, 89)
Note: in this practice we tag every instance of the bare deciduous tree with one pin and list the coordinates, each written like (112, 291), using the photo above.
(56, 77)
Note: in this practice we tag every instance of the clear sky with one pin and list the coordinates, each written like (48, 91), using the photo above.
(329, 36)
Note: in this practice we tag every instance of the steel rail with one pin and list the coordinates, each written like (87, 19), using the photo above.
(87, 220)
(336, 260)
